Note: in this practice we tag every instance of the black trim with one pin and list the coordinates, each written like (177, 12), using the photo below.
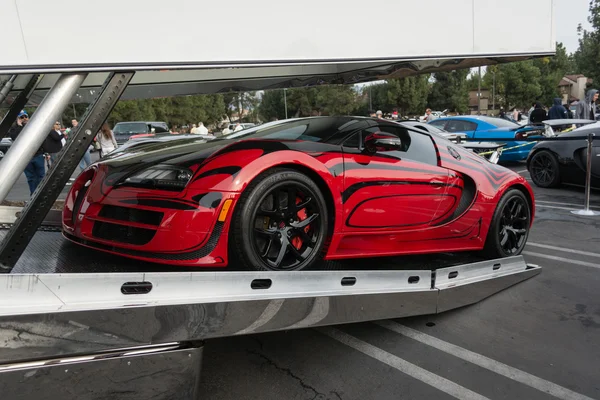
(357, 186)
(467, 200)
(122, 233)
(77, 204)
(162, 203)
(131, 214)
(373, 164)
(230, 170)
(208, 200)
(184, 256)
(395, 226)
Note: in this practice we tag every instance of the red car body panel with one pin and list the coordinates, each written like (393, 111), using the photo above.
(381, 205)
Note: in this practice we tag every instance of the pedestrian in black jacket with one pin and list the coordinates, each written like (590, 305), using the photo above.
(538, 114)
(558, 111)
(54, 142)
(35, 170)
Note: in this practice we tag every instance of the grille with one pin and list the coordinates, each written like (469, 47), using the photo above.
(122, 233)
(132, 215)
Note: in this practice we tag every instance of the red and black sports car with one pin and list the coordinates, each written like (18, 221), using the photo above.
(284, 195)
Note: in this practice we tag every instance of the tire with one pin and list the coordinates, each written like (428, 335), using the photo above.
(275, 237)
(509, 223)
(544, 169)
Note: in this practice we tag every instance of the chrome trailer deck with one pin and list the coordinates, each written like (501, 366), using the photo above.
(75, 321)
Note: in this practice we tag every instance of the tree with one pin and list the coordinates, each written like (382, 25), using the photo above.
(587, 55)
(450, 91)
(407, 95)
(181, 110)
(517, 84)
(552, 70)
(303, 102)
(272, 105)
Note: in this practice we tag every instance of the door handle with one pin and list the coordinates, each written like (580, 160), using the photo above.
(436, 184)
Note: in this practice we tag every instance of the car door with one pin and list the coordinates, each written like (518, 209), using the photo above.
(395, 190)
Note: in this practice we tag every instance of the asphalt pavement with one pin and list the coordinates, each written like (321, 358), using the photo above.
(539, 339)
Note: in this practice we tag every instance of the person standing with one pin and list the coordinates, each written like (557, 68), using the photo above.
(586, 109)
(54, 142)
(558, 111)
(107, 140)
(35, 170)
(202, 129)
(538, 115)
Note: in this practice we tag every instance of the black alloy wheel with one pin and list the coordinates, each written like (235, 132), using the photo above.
(514, 226)
(544, 169)
(510, 226)
(282, 223)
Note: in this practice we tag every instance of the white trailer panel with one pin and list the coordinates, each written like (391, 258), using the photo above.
(152, 33)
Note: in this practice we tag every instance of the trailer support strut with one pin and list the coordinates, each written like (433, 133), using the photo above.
(67, 161)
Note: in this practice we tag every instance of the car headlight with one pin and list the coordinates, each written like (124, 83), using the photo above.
(166, 177)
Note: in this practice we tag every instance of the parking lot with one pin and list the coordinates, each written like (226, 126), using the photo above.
(539, 339)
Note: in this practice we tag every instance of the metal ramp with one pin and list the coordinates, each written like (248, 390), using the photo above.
(155, 323)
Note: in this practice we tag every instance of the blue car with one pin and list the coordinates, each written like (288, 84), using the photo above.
(486, 129)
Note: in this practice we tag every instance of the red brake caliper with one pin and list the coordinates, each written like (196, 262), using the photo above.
(296, 241)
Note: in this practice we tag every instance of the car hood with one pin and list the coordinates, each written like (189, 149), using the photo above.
(184, 152)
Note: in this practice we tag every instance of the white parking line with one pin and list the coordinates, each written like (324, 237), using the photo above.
(485, 362)
(520, 172)
(402, 365)
(555, 207)
(563, 204)
(566, 260)
(563, 249)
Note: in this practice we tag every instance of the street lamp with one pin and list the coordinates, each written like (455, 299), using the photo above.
(285, 102)
(494, 90)
(479, 93)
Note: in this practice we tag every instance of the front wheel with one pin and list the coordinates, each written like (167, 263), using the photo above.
(510, 225)
(544, 169)
(281, 223)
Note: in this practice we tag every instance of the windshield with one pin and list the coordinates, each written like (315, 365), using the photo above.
(130, 128)
(318, 129)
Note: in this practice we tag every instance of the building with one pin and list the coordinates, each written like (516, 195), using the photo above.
(573, 87)
(485, 101)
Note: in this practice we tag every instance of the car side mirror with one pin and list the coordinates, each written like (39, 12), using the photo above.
(380, 141)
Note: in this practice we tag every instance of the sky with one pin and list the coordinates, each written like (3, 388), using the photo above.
(567, 15)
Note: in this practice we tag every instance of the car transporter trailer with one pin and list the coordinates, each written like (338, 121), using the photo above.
(78, 324)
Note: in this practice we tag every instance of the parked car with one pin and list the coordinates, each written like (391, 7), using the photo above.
(288, 194)
(552, 163)
(123, 130)
(453, 137)
(485, 129)
(490, 150)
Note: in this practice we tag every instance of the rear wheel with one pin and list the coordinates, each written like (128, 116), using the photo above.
(509, 230)
(544, 169)
(280, 223)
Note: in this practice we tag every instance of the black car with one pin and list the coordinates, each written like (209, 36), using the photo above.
(552, 163)
(124, 130)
